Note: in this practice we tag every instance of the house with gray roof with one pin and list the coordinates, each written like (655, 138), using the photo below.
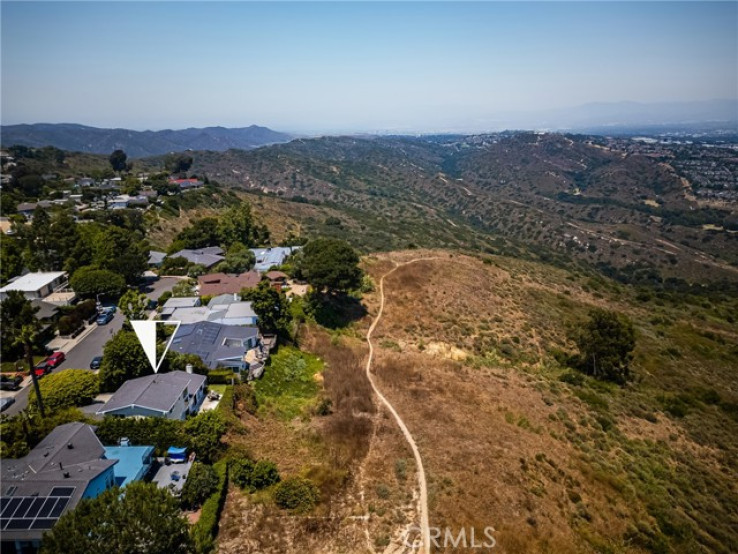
(171, 395)
(178, 302)
(68, 465)
(266, 258)
(156, 258)
(207, 257)
(230, 311)
(216, 344)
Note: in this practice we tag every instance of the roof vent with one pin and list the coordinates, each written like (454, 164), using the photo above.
(70, 446)
(66, 475)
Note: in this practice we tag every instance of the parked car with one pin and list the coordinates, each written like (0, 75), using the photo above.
(6, 403)
(96, 362)
(104, 318)
(10, 382)
(41, 369)
(55, 359)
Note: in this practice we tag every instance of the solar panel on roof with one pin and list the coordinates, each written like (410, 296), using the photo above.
(18, 524)
(46, 508)
(43, 524)
(62, 491)
(33, 512)
(59, 508)
(35, 507)
(23, 508)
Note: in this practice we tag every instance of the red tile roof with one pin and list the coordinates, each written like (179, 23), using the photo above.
(214, 284)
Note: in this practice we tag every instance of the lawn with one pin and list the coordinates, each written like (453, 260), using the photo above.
(289, 383)
(11, 367)
(220, 389)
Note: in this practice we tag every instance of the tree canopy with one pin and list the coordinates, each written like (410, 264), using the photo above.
(140, 519)
(271, 306)
(133, 305)
(201, 482)
(330, 264)
(123, 359)
(238, 259)
(118, 160)
(15, 312)
(605, 345)
(89, 281)
(178, 163)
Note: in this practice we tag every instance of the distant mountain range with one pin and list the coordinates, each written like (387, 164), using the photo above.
(137, 144)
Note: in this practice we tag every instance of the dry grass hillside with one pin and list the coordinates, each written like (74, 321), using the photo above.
(467, 355)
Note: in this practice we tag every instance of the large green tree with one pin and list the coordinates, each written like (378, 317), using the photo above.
(140, 519)
(606, 345)
(118, 160)
(271, 306)
(238, 259)
(330, 265)
(90, 281)
(201, 233)
(204, 432)
(178, 163)
(16, 311)
(237, 225)
(133, 305)
(123, 359)
(11, 258)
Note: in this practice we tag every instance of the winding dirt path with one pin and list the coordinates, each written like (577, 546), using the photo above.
(422, 485)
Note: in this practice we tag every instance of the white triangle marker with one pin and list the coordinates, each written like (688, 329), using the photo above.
(146, 332)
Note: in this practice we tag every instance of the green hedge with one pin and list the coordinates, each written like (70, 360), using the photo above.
(204, 531)
(220, 376)
(67, 388)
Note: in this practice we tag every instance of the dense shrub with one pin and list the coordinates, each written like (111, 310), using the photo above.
(252, 476)
(68, 324)
(203, 434)
(202, 481)
(204, 531)
(67, 388)
(220, 376)
(159, 432)
(296, 493)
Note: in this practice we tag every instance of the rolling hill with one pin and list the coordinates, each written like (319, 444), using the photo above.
(633, 216)
(80, 138)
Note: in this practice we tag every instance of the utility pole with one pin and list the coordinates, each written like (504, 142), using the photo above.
(29, 358)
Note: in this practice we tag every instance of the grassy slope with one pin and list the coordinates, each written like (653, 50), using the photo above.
(466, 354)
(563, 468)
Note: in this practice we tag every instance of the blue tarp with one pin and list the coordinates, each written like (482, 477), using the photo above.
(176, 453)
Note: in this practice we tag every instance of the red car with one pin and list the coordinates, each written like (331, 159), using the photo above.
(55, 359)
(41, 369)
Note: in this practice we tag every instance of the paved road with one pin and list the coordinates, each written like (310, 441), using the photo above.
(157, 288)
(80, 356)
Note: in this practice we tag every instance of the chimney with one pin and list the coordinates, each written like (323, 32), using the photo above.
(189, 368)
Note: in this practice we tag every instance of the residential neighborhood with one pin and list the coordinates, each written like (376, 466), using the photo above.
(71, 354)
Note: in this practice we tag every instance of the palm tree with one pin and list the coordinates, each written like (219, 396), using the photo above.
(27, 337)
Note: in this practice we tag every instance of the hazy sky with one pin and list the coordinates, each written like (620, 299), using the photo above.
(314, 67)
